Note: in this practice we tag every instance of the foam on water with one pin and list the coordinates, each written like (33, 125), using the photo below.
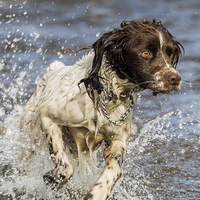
(24, 178)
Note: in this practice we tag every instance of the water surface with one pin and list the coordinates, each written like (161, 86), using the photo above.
(163, 158)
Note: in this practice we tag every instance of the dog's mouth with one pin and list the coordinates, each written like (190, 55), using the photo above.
(166, 89)
(165, 84)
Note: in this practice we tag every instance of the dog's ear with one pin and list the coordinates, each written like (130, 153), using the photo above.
(112, 45)
(99, 50)
(106, 44)
(178, 53)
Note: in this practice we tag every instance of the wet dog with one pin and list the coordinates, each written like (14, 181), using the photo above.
(81, 106)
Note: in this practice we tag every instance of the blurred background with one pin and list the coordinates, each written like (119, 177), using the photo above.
(163, 156)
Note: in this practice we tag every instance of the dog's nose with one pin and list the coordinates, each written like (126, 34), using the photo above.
(174, 79)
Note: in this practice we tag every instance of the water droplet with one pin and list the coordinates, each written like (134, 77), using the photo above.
(31, 65)
(97, 34)
(39, 50)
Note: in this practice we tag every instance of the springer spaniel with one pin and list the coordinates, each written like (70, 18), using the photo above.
(137, 56)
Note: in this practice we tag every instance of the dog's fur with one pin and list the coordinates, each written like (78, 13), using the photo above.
(137, 56)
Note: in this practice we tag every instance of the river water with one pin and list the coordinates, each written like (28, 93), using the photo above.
(163, 157)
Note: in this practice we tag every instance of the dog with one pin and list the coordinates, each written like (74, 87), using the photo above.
(92, 101)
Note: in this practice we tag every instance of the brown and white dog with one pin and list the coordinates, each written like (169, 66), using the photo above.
(137, 56)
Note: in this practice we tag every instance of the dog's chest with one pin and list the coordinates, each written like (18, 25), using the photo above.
(81, 112)
(111, 112)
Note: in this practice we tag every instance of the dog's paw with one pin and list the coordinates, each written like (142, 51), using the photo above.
(89, 196)
(53, 181)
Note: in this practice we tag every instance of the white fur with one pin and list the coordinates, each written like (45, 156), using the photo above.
(58, 102)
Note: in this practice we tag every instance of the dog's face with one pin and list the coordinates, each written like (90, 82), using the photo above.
(145, 53)
(150, 60)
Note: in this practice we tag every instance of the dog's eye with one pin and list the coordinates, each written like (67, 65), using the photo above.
(146, 53)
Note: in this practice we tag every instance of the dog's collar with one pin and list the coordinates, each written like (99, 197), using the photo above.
(103, 95)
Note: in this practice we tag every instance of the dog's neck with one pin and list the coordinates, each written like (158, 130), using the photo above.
(114, 91)
(112, 84)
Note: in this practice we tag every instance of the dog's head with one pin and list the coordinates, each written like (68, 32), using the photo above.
(145, 53)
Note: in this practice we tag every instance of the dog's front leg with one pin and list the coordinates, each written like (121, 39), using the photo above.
(63, 168)
(114, 155)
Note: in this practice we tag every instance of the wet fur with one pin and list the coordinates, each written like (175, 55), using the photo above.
(70, 113)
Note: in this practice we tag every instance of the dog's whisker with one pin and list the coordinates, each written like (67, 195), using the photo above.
(185, 79)
(185, 84)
